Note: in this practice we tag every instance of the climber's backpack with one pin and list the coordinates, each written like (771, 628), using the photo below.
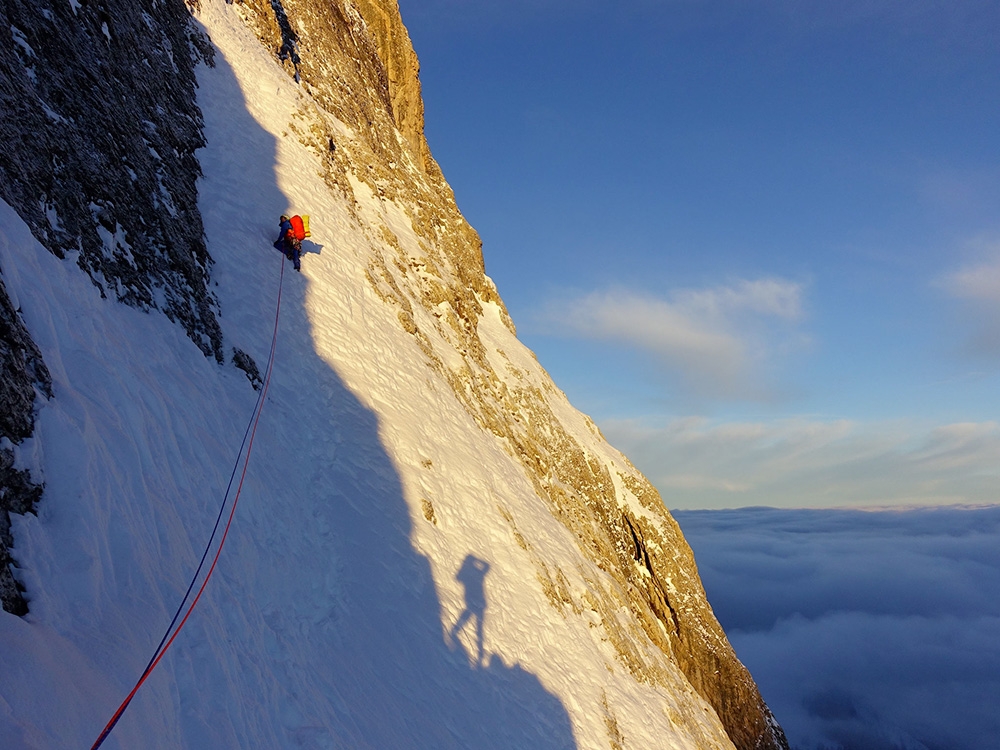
(300, 227)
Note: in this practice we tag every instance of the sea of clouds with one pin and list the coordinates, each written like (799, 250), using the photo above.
(865, 630)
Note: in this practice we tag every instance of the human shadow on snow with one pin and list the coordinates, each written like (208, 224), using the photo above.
(472, 576)
(343, 622)
(311, 248)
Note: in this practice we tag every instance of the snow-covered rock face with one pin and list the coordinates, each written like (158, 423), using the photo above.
(22, 371)
(437, 549)
(98, 129)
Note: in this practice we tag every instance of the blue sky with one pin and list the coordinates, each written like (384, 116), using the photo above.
(759, 242)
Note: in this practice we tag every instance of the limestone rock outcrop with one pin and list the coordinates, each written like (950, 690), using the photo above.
(349, 46)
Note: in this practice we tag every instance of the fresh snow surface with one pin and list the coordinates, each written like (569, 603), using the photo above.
(331, 619)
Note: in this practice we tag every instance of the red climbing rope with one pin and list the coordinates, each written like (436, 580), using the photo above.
(166, 642)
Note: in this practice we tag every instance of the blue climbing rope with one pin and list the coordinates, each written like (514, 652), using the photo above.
(171, 633)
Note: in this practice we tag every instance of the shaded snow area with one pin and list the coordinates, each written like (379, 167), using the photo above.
(370, 594)
(864, 630)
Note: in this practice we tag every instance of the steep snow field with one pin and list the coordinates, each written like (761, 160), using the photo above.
(371, 593)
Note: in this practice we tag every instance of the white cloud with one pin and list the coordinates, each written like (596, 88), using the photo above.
(716, 342)
(979, 283)
(697, 463)
(778, 297)
(978, 287)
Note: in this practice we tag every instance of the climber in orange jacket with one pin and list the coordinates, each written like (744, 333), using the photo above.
(288, 242)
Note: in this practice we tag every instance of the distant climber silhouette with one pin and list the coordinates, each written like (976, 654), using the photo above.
(472, 575)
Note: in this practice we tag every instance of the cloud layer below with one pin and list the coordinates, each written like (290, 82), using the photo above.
(697, 463)
(864, 630)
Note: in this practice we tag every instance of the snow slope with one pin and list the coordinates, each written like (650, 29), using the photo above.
(376, 517)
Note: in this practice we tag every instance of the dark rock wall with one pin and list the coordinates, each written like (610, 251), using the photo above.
(22, 371)
(98, 132)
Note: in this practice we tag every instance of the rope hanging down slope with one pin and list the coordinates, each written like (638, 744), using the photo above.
(170, 634)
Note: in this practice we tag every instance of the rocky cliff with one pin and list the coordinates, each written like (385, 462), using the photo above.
(100, 129)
